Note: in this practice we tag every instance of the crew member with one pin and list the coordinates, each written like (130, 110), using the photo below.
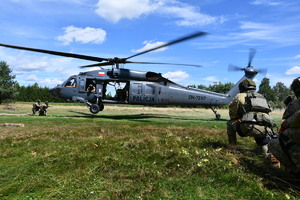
(249, 116)
(286, 148)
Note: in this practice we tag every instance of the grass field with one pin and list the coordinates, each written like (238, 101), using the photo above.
(129, 152)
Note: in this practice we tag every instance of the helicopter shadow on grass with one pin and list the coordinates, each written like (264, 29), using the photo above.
(138, 117)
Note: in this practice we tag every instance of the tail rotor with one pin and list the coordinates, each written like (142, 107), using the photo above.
(249, 70)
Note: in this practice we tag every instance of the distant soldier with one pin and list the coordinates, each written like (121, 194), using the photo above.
(249, 116)
(286, 148)
(43, 109)
(36, 106)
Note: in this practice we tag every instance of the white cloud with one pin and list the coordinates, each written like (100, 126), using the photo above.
(266, 2)
(297, 56)
(190, 16)
(31, 78)
(211, 79)
(114, 11)
(150, 45)
(27, 65)
(83, 35)
(41, 81)
(176, 76)
(50, 82)
(293, 71)
(186, 15)
(278, 77)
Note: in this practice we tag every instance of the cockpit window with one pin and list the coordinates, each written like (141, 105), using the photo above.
(71, 83)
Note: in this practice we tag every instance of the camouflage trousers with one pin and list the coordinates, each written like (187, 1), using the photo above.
(247, 129)
(259, 133)
(290, 161)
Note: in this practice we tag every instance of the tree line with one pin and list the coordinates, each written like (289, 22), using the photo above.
(10, 90)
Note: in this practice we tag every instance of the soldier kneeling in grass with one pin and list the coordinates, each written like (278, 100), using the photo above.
(286, 148)
(249, 117)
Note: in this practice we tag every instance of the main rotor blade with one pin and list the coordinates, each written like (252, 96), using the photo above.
(252, 53)
(157, 63)
(98, 64)
(197, 34)
(57, 53)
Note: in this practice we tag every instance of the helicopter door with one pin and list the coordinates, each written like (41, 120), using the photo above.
(135, 92)
(81, 84)
(142, 93)
(149, 96)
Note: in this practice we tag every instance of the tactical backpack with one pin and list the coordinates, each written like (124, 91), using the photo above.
(256, 110)
(256, 102)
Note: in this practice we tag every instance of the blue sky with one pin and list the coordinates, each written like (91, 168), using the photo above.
(110, 28)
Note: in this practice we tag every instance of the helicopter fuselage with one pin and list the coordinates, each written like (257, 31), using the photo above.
(124, 86)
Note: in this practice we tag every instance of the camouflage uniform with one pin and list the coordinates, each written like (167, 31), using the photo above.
(287, 147)
(246, 128)
(36, 106)
(243, 129)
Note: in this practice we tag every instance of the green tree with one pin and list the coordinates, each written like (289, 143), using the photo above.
(8, 89)
(266, 90)
(220, 87)
(281, 93)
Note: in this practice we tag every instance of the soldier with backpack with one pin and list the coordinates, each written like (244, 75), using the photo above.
(286, 148)
(249, 117)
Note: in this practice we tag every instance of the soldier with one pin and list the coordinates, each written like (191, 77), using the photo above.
(43, 109)
(36, 106)
(249, 116)
(286, 148)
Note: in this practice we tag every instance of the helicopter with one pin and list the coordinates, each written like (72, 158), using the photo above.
(125, 86)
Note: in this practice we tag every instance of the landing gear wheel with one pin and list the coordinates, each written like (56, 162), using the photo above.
(218, 116)
(101, 106)
(95, 108)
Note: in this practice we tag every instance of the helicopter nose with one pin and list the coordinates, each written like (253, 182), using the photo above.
(55, 91)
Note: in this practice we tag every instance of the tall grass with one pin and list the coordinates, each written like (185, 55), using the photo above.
(131, 153)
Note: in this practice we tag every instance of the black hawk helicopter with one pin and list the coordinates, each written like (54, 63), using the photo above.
(124, 86)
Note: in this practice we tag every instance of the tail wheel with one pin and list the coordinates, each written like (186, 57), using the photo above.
(95, 108)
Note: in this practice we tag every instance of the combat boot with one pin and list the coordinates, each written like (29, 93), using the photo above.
(232, 140)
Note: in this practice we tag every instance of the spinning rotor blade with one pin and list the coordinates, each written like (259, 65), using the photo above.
(263, 71)
(99, 64)
(252, 53)
(235, 68)
(157, 63)
(197, 34)
(192, 65)
(57, 53)
(110, 61)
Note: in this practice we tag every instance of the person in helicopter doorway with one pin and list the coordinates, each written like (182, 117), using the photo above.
(36, 106)
(92, 87)
(286, 148)
(249, 117)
